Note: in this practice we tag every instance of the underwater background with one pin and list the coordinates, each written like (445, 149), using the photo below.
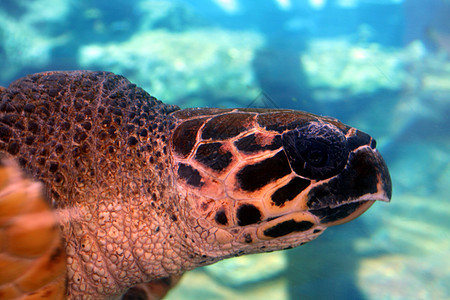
(380, 66)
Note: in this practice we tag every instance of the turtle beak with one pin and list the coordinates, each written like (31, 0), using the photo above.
(364, 180)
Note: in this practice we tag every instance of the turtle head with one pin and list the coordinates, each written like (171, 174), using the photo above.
(261, 180)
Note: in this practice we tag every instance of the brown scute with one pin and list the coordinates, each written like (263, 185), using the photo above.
(249, 144)
(213, 156)
(290, 190)
(185, 136)
(248, 214)
(227, 126)
(253, 177)
(281, 121)
(190, 175)
(286, 227)
(221, 217)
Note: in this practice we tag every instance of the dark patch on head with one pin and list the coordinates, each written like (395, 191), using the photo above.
(76, 151)
(22, 162)
(53, 167)
(79, 117)
(281, 121)
(248, 214)
(65, 126)
(58, 148)
(143, 133)
(40, 161)
(357, 140)
(256, 176)
(212, 156)
(287, 227)
(356, 180)
(5, 133)
(29, 108)
(79, 136)
(9, 119)
(20, 125)
(226, 126)
(221, 217)
(249, 144)
(327, 214)
(185, 136)
(190, 175)
(132, 141)
(59, 179)
(315, 150)
(290, 190)
(34, 127)
(13, 148)
(7, 107)
(86, 125)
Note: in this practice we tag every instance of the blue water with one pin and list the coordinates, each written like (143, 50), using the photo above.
(380, 66)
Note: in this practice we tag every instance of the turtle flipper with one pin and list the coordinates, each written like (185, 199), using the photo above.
(32, 257)
(153, 290)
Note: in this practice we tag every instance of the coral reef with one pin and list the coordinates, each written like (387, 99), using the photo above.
(188, 68)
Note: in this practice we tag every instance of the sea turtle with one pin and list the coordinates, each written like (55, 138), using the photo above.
(140, 190)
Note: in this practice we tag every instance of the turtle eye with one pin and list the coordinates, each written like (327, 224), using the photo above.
(316, 150)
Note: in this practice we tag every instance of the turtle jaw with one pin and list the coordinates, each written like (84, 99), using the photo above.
(346, 196)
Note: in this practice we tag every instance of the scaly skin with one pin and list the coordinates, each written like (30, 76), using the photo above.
(109, 183)
(128, 213)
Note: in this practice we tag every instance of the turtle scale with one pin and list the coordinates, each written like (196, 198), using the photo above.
(142, 190)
